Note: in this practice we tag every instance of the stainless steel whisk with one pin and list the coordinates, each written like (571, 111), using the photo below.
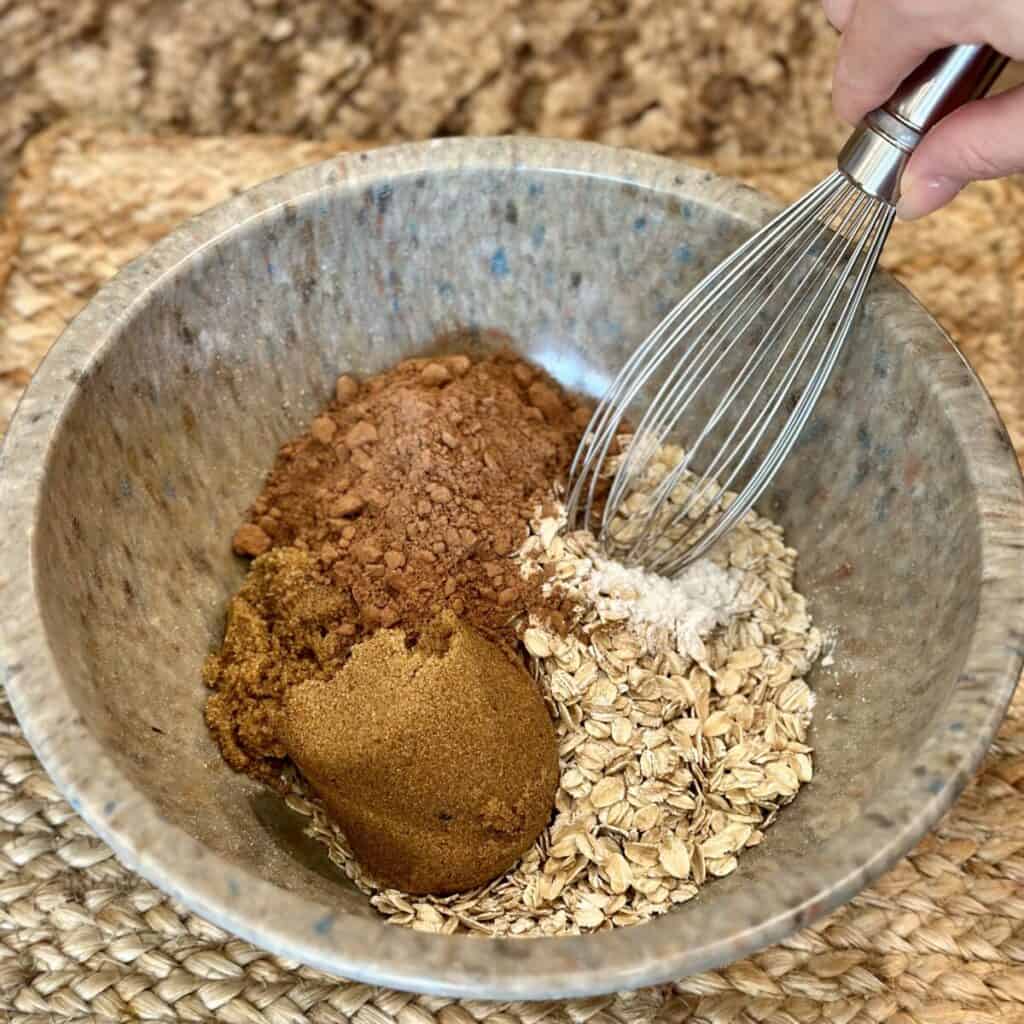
(781, 307)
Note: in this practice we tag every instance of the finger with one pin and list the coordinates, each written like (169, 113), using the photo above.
(838, 12)
(883, 42)
(982, 140)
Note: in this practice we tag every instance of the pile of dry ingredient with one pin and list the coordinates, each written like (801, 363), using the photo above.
(423, 817)
(680, 707)
(409, 494)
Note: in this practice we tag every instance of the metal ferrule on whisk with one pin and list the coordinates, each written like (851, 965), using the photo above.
(877, 152)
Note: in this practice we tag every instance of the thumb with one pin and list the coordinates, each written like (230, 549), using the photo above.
(981, 140)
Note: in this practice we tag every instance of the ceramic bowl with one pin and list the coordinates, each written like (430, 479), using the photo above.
(147, 431)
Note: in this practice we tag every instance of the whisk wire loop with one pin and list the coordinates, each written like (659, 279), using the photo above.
(732, 456)
(643, 363)
(740, 344)
(758, 355)
(714, 344)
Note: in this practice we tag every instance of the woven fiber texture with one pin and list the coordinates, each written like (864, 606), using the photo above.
(718, 76)
(657, 74)
(940, 940)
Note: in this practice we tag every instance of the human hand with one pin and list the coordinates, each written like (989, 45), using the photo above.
(884, 40)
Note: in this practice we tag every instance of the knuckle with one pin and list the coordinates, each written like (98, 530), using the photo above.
(925, 10)
(850, 74)
(977, 163)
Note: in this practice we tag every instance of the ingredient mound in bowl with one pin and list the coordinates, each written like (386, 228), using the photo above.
(409, 560)
(410, 494)
(425, 816)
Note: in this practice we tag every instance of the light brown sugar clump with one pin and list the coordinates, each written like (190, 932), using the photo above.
(437, 760)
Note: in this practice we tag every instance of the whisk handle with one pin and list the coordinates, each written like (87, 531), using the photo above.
(946, 80)
(878, 150)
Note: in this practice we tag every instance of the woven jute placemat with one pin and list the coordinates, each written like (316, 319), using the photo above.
(939, 940)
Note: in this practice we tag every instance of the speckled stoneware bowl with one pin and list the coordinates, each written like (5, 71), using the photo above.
(147, 431)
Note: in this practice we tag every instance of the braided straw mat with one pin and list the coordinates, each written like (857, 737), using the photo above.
(940, 940)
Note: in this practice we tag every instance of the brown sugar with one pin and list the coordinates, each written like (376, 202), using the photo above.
(410, 494)
(288, 623)
(438, 761)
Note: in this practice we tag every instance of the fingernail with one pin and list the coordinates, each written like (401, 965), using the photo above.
(922, 196)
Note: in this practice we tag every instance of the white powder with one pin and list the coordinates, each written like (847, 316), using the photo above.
(703, 597)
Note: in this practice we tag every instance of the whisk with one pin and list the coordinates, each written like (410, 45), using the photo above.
(755, 342)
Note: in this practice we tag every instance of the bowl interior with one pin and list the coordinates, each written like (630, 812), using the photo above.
(174, 423)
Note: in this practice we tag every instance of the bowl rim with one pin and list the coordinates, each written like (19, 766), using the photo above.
(464, 966)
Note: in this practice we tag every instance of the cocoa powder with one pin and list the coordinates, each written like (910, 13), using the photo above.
(408, 495)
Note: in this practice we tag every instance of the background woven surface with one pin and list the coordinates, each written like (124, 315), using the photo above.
(713, 76)
(726, 77)
(940, 940)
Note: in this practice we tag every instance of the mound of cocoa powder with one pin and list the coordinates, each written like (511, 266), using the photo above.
(409, 494)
